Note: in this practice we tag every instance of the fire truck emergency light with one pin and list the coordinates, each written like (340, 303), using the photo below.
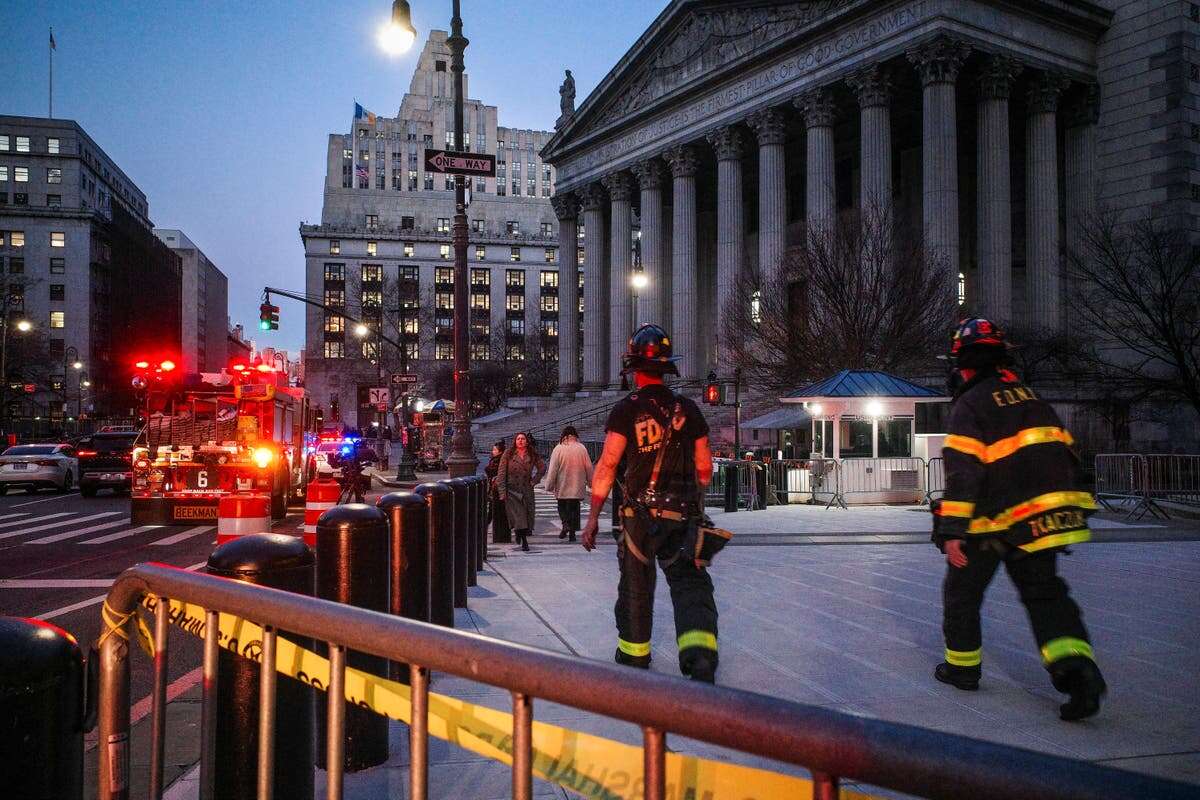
(262, 457)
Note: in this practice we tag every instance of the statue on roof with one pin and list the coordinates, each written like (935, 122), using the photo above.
(566, 99)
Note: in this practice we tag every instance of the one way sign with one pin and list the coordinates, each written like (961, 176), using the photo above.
(480, 164)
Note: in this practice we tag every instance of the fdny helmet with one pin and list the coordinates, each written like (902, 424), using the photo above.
(977, 332)
(649, 350)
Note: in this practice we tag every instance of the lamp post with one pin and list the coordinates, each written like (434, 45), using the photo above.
(23, 326)
(638, 281)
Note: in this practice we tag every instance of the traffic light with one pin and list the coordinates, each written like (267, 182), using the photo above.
(712, 392)
(268, 317)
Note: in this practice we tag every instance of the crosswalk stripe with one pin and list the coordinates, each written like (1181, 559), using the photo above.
(18, 514)
(24, 521)
(179, 537)
(71, 534)
(112, 537)
(58, 524)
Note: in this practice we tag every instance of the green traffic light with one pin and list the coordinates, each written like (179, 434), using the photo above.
(264, 325)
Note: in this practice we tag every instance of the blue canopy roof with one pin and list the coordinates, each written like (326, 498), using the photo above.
(779, 419)
(852, 383)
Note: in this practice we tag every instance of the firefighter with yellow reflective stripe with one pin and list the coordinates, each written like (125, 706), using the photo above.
(1012, 496)
(663, 439)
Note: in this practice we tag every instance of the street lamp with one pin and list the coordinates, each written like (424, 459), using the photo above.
(639, 281)
(398, 35)
(23, 326)
(361, 330)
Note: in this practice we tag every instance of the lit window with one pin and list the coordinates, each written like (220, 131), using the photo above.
(515, 302)
(962, 288)
(479, 352)
(481, 277)
(347, 154)
(58, 239)
(22, 144)
(550, 303)
(21, 174)
(53, 175)
(409, 250)
(514, 277)
(372, 248)
(549, 279)
(412, 351)
(550, 327)
(481, 302)
(17, 238)
(516, 353)
(58, 266)
(4, 142)
(514, 254)
(516, 327)
(372, 273)
(372, 299)
(370, 350)
(579, 258)
(372, 220)
(444, 351)
(3, 173)
(335, 349)
(335, 272)
(480, 252)
(335, 324)
(410, 326)
(412, 274)
(335, 247)
(444, 252)
(443, 225)
(52, 145)
(547, 230)
(443, 275)
(513, 227)
(551, 256)
(58, 319)
(444, 301)
(756, 307)
(335, 297)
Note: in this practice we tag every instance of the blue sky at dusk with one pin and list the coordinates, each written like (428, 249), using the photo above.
(220, 110)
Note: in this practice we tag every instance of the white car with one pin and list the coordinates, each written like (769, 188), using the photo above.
(321, 457)
(38, 466)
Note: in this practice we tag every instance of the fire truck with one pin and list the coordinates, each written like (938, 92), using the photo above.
(245, 433)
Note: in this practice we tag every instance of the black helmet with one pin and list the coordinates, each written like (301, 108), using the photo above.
(649, 350)
(977, 333)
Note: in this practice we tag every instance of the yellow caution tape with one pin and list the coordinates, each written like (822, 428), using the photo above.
(590, 766)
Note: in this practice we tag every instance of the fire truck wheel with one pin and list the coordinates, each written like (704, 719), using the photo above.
(279, 505)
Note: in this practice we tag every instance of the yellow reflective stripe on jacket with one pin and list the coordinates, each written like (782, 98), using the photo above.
(633, 648)
(698, 639)
(1066, 647)
(964, 658)
(1058, 540)
(1030, 508)
(957, 508)
(965, 444)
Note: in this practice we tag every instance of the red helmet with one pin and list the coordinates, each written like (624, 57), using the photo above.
(649, 350)
(977, 332)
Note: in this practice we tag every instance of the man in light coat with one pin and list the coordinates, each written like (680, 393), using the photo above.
(567, 478)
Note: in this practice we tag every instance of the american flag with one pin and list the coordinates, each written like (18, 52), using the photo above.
(53, 44)
(362, 173)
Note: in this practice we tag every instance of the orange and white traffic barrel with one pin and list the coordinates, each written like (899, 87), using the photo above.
(242, 515)
(322, 495)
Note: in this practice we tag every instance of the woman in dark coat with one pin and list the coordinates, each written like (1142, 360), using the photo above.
(500, 530)
(520, 469)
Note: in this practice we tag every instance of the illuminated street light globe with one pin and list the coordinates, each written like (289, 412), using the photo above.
(361, 330)
(86, 383)
(398, 35)
(77, 365)
(875, 408)
(639, 280)
(24, 326)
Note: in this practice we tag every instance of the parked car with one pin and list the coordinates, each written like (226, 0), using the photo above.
(106, 462)
(327, 452)
(38, 466)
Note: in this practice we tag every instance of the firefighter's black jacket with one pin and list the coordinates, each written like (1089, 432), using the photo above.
(1010, 469)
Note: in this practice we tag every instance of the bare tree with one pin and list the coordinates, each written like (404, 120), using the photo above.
(1134, 292)
(860, 293)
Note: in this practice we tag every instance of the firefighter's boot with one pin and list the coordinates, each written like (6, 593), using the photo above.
(965, 678)
(641, 662)
(702, 669)
(1081, 679)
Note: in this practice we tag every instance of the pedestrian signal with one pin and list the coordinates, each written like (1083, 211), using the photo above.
(268, 317)
(712, 391)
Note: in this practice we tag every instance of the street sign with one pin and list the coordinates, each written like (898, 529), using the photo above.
(481, 164)
(30, 388)
(399, 380)
(380, 396)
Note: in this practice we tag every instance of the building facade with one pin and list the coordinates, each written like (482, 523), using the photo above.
(79, 261)
(731, 129)
(382, 252)
(204, 310)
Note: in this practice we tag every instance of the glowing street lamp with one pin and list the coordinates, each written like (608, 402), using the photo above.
(24, 326)
(398, 36)
(875, 409)
(638, 281)
(361, 330)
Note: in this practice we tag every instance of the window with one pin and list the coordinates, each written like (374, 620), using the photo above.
(412, 351)
(477, 226)
(501, 191)
(21, 174)
(479, 351)
(3, 172)
(546, 193)
(22, 144)
(449, 134)
(372, 248)
(856, 438)
(547, 230)
(481, 302)
(756, 307)
(549, 279)
(429, 181)
(58, 292)
(58, 319)
(531, 187)
(443, 351)
(551, 255)
(895, 438)
(335, 323)
(962, 288)
(448, 184)
(52, 145)
(3, 198)
(20, 199)
(16, 266)
(372, 298)
(514, 254)
(335, 247)
(444, 252)
(550, 327)
(410, 274)
(515, 352)
(335, 297)
(515, 302)
(514, 277)
(372, 220)
(370, 350)
(427, 139)
(16, 238)
(409, 250)
(412, 180)
(4, 142)
(549, 303)
(443, 225)
(53, 175)
(481, 327)
(335, 272)
(481, 277)
(480, 252)
(347, 153)
(410, 326)
(513, 227)
(443, 275)
(372, 273)
(58, 266)
(480, 186)
(516, 187)
(579, 257)
(444, 301)
(545, 173)
(58, 239)
(516, 327)
(335, 349)
(54, 200)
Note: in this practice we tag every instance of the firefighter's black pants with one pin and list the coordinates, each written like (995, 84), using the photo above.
(1057, 625)
(644, 540)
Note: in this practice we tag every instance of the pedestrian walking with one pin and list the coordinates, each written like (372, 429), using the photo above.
(501, 533)
(521, 468)
(1012, 495)
(664, 439)
(567, 478)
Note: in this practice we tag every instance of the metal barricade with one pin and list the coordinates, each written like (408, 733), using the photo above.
(830, 744)
(890, 478)
(1122, 484)
(935, 478)
(1172, 478)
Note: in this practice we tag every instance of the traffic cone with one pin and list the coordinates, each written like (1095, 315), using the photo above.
(242, 515)
(322, 496)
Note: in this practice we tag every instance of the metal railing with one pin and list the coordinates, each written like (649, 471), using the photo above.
(1138, 484)
(935, 478)
(831, 745)
(1173, 478)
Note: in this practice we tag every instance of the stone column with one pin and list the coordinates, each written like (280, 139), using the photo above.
(595, 287)
(1042, 261)
(650, 306)
(938, 62)
(620, 308)
(1079, 153)
(873, 86)
(770, 127)
(728, 142)
(994, 191)
(566, 208)
(820, 189)
(685, 328)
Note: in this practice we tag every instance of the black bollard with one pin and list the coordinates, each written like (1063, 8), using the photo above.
(472, 484)
(462, 511)
(280, 562)
(352, 568)
(408, 521)
(729, 473)
(440, 499)
(41, 711)
(484, 489)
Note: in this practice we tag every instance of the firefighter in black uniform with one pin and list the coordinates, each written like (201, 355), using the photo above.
(664, 439)
(1012, 495)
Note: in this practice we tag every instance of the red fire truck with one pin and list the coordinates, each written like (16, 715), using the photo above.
(210, 440)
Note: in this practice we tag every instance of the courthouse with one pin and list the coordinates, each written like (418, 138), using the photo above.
(992, 126)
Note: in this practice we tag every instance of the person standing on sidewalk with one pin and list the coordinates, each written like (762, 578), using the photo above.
(567, 479)
(521, 468)
(500, 529)
(1012, 495)
(664, 439)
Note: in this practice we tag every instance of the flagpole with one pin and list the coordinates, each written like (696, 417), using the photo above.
(51, 46)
